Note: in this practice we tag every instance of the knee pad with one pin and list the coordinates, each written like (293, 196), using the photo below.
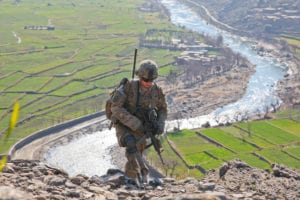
(130, 143)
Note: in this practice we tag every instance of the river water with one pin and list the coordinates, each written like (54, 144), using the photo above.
(89, 154)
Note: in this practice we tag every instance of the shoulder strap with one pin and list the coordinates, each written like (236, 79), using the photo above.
(138, 95)
(135, 85)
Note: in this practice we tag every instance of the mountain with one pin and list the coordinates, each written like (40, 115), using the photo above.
(258, 16)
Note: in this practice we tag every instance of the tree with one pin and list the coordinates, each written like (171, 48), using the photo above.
(217, 118)
(238, 58)
(249, 128)
(284, 45)
(170, 166)
(266, 111)
(258, 113)
(172, 77)
(206, 125)
(275, 106)
(178, 117)
(237, 116)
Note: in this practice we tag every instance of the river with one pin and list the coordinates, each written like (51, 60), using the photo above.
(89, 154)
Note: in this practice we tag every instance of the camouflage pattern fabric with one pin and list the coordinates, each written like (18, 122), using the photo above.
(127, 119)
(147, 69)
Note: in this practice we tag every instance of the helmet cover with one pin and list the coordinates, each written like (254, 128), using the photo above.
(148, 70)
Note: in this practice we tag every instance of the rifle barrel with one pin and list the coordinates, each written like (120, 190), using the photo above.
(161, 159)
(134, 62)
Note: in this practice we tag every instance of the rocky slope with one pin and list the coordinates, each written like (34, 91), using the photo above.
(257, 16)
(25, 179)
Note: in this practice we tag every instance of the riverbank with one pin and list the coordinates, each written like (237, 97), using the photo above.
(204, 97)
(288, 88)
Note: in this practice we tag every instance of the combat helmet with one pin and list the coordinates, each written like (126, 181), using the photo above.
(147, 70)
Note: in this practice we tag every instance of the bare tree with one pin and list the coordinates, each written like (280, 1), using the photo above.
(249, 128)
(275, 106)
(284, 45)
(266, 111)
(172, 78)
(245, 115)
(238, 58)
(226, 120)
(258, 113)
(217, 118)
(170, 166)
(237, 116)
(178, 117)
(206, 125)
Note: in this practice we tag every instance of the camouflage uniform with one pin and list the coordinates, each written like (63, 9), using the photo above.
(128, 121)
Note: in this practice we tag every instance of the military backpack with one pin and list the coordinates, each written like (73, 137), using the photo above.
(108, 103)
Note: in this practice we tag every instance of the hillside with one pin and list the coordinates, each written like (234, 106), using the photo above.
(60, 60)
(23, 179)
(258, 16)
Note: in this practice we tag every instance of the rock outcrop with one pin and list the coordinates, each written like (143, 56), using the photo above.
(27, 179)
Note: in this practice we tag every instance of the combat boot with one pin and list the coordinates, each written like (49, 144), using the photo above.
(144, 176)
(132, 181)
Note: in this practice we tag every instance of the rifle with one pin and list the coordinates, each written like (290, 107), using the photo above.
(151, 131)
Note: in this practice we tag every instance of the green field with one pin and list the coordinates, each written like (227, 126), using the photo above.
(172, 160)
(270, 132)
(292, 114)
(258, 143)
(58, 75)
(294, 43)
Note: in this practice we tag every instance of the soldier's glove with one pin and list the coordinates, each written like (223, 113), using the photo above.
(160, 129)
(148, 126)
(154, 127)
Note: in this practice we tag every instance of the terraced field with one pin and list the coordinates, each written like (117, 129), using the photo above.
(58, 75)
(258, 143)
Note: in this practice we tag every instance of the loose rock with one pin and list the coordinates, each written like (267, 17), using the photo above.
(19, 180)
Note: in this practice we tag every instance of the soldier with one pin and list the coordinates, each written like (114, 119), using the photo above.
(129, 104)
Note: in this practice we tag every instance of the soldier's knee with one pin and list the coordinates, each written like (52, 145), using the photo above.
(130, 143)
